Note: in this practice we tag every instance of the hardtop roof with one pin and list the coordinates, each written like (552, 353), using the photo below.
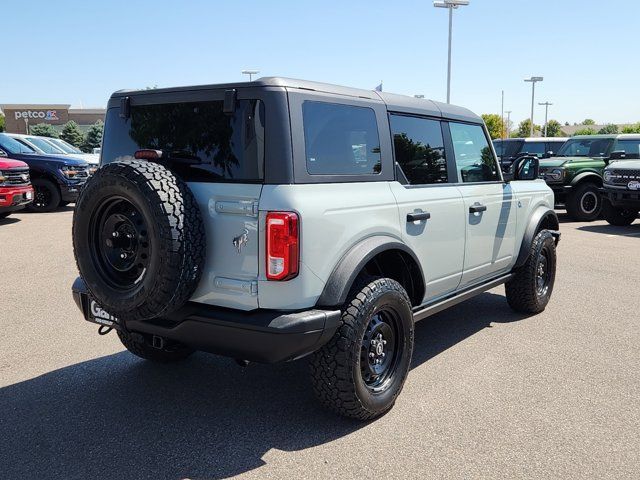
(394, 102)
(532, 139)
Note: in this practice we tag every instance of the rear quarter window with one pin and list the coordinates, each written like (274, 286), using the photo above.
(201, 142)
(340, 139)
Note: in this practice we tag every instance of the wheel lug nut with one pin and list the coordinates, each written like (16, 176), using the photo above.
(114, 234)
(371, 355)
(123, 255)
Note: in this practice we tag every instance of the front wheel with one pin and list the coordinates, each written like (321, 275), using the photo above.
(360, 372)
(529, 291)
(46, 196)
(620, 217)
(584, 203)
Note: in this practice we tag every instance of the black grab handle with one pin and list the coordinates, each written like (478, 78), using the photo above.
(414, 217)
(477, 208)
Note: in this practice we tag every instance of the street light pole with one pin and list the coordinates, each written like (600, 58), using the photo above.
(508, 112)
(546, 115)
(450, 4)
(533, 81)
(251, 73)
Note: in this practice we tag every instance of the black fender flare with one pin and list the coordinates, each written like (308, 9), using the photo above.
(540, 215)
(349, 266)
(586, 175)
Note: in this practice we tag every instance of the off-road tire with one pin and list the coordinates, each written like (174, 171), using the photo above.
(139, 346)
(620, 217)
(578, 203)
(42, 186)
(336, 368)
(175, 237)
(523, 294)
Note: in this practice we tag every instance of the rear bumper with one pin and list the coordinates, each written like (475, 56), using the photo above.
(15, 198)
(267, 336)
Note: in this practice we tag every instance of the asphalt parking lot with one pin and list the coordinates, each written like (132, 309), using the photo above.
(491, 394)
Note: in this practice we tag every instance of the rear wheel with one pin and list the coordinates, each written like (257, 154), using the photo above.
(360, 372)
(140, 346)
(529, 291)
(620, 217)
(46, 197)
(584, 203)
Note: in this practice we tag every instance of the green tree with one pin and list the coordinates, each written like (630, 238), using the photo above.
(493, 121)
(94, 137)
(71, 133)
(524, 128)
(588, 121)
(585, 131)
(1, 122)
(632, 128)
(554, 129)
(43, 130)
(610, 128)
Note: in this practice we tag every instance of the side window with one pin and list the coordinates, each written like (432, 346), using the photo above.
(534, 148)
(340, 139)
(474, 159)
(419, 149)
(630, 147)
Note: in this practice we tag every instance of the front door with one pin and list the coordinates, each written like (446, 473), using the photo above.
(430, 207)
(489, 205)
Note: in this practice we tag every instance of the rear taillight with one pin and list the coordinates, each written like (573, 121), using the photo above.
(283, 249)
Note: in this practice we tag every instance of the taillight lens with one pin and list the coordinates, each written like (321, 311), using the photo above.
(283, 250)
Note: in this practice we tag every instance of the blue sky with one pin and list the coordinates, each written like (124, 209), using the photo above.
(78, 52)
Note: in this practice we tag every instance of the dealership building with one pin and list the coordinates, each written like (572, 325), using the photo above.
(19, 117)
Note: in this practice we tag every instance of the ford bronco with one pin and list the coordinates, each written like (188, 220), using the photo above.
(277, 219)
(621, 182)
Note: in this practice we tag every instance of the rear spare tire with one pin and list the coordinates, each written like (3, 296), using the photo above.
(138, 239)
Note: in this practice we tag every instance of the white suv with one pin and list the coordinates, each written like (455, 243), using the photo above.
(281, 218)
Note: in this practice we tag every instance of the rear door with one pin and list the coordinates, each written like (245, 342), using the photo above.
(430, 207)
(221, 157)
(489, 205)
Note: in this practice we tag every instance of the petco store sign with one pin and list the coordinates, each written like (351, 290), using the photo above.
(50, 115)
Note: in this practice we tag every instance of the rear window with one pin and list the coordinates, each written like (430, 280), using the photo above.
(340, 139)
(201, 142)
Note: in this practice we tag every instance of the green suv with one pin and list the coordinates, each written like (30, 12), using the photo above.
(575, 174)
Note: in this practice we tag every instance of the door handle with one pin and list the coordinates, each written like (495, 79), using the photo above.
(477, 208)
(415, 217)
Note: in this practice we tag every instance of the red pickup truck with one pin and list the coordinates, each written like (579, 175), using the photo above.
(15, 186)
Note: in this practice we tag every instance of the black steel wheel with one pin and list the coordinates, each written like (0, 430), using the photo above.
(618, 216)
(584, 203)
(529, 291)
(138, 239)
(46, 196)
(360, 372)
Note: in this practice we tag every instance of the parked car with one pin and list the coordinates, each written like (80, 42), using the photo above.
(15, 188)
(328, 233)
(621, 182)
(91, 158)
(510, 149)
(56, 180)
(575, 174)
(44, 146)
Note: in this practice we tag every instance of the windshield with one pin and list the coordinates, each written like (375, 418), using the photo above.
(64, 146)
(43, 145)
(13, 146)
(507, 148)
(586, 147)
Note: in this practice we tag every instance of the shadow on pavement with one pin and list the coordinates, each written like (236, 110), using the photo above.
(120, 417)
(632, 230)
(8, 220)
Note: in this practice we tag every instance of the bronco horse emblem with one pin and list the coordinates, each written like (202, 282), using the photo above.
(241, 240)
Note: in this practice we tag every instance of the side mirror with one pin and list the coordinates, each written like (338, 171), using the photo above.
(548, 154)
(526, 168)
(3, 153)
(618, 155)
